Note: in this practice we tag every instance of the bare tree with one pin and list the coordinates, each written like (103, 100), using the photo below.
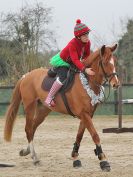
(30, 25)
(28, 31)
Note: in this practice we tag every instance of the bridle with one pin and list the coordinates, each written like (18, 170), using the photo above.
(107, 77)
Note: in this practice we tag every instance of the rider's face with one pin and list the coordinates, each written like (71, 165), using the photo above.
(85, 38)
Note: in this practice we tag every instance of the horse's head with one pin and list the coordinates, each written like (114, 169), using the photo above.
(107, 65)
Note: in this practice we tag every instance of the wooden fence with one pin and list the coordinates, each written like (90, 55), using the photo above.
(112, 102)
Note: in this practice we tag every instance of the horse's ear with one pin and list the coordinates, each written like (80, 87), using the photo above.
(114, 47)
(102, 49)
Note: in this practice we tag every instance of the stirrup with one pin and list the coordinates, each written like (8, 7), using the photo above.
(52, 103)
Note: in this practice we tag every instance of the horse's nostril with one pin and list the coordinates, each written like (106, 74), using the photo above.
(115, 86)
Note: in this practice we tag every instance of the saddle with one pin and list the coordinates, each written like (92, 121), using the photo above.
(51, 77)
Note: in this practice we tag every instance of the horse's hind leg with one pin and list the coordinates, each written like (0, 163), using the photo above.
(29, 111)
(39, 115)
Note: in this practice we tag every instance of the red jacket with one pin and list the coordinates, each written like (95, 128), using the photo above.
(74, 51)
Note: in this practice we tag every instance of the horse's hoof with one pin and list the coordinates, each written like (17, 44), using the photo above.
(77, 164)
(21, 153)
(24, 152)
(36, 163)
(105, 166)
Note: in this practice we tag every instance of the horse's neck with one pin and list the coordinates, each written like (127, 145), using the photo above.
(91, 58)
(96, 80)
(92, 61)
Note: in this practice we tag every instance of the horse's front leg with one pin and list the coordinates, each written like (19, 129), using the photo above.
(75, 153)
(95, 137)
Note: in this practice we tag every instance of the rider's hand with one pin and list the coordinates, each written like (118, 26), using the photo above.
(83, 60)
(89, 71)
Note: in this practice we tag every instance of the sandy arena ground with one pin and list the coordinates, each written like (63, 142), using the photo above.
(53, 143)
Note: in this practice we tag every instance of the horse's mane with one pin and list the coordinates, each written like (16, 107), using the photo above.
(89, 60)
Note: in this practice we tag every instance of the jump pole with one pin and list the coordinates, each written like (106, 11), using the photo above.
(120, 129)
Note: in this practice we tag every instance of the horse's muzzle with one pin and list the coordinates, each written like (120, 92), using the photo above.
(115, 86)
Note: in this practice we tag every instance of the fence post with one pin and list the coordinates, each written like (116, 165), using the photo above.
(116, 102)
(120, 107)
(120, 98)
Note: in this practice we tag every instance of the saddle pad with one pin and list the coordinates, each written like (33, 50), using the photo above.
(47, 83)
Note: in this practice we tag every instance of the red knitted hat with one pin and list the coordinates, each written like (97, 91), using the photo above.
(80, 28)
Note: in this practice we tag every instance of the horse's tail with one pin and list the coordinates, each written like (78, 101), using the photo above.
(12, 112)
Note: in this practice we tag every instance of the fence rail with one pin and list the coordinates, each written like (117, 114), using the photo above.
(6, 87)
(109, 107)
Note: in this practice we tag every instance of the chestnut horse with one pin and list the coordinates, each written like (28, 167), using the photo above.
(28, 90)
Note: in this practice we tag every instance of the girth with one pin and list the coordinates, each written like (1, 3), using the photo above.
(67, 85)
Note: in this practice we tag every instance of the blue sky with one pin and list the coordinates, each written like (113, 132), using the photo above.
(102, 16)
